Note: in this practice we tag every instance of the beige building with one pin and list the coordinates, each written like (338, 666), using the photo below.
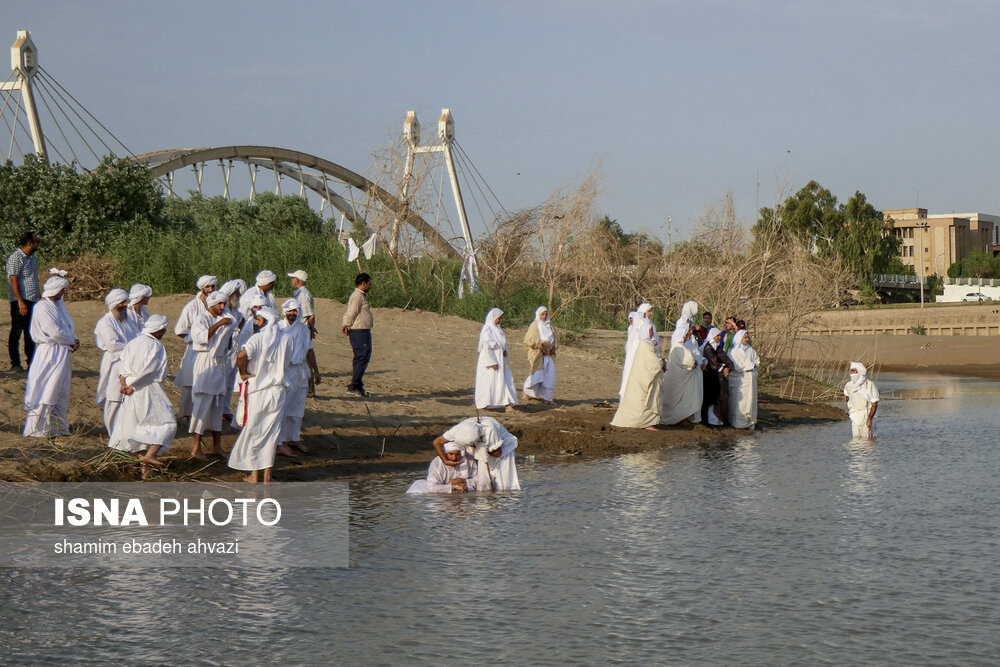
(938, 241)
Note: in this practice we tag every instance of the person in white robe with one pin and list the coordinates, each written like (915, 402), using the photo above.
(682, 394)
(263, 362)
(138, 299)
(540, 339)
(631, 340)
(302, 368)
(211, 336)
(494, 381)
(640, 328)
(862, 401)
(641, 405)
(146, 424)
(112, 333)
(233, 290)
(491, 445)
(264, 286)
(249, 329)
(46, 394)
(191, 311)
(743, 383)
(457, 472)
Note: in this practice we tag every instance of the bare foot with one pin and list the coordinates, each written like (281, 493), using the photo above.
(525, 398)
(652, 428)
(283, 450)
(152, 461)
(299, 446)
(146, 471)
(199, 456)
(251, 478)
(511, 408)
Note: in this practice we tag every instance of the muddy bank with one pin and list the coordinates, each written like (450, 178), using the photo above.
(421, 378)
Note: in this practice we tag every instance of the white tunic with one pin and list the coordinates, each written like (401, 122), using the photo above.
(743, 387)
(192, 309)
(860, 398)
(439, 477)
(494, 388)
(146, 416)
(46, 395)
(138, 320)
(502, 468)
(681, 394)
(268, 359)
(111, 335)
(212, 354)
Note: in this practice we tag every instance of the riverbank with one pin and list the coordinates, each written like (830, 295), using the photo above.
(421, 377)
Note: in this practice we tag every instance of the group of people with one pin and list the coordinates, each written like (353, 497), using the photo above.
(494, 380)
(706, 376)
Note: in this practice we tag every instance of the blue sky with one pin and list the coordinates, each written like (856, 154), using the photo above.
(678, 101)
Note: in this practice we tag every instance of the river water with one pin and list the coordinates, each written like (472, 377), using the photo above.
(788, 546)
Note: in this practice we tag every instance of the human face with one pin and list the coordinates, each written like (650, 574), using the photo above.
(296, 283)
(291, 315)
(268, 287)
(544, 316)
(706, 319)
(217, 309)
(119, 310)
(498, 320)
(207, 289)
(364, 287)
(258, 320)
(454, 457)
(159, 334)
(32, 245)
(717, 339)
(730, 324)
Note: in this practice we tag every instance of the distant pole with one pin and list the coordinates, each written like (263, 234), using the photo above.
(921, 260)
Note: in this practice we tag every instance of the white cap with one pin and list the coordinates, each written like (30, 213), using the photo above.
(300, 274)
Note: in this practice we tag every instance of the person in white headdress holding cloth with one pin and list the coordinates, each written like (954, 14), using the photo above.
(46, 395)
(489, 444)
(145, 423)
(112, 334)
(138, 299)
(191, 311)
(211, 336)
(641, 404)
(263, 363)
(743, 382)
(540, 340)
(862, 401)
(264, 286)
(681, 385)
(494, 381)
(638, 321)
(301, 369)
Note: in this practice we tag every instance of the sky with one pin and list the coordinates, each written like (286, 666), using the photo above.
(677, 103)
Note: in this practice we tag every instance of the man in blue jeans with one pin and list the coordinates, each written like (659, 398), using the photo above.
(24, 292)
(357, 325)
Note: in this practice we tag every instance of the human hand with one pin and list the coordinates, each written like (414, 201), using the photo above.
(345, 329)
(22, 307)
(75, 346)
(495, 367)
(246, 376)
(317, 379)
(458, 484)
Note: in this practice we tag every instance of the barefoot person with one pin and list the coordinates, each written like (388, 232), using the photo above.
(540, 340)
(263, 363)
(743, 382)
(146, 422)
(640, 405)
(191, 311)
(46, 395)
(490, 444)
(263, 287)
(112, 334)
(494, 381)
(862, 401)
(682, 383)
(211, 336)
(302, 369)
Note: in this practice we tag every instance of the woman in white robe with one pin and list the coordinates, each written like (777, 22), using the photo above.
(682, 383)
(640, 406)
(631, 340)
(46, 394)
(494, 381)
(266, 357)
(540, 340)
(146, 422)
(862, 401)
(743, 383)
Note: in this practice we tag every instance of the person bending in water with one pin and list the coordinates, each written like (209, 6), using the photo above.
(454, 472)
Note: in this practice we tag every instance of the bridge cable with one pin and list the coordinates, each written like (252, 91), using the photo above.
(91, 115)
(63, 134)
(43, 85)
(497, 199)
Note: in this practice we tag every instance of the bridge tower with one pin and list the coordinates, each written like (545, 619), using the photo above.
(24, 66)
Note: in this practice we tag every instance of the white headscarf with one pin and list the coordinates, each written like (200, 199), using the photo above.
(291, 304)
(466, 433)
(690, 310)
(215, 297)
(138, 293)
(58, 272)
(115, 297)
(493, 330)
(710, 339)
(232, 286)
(862, 373)
(53, 286)
(205, 281)
(265, 277)
(154, 323)
(452, 447)
(644, 308)
(682, 329)
(544, 328)
(738, 338)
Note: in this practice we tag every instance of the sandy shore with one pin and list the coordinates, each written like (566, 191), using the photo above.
(421, 377)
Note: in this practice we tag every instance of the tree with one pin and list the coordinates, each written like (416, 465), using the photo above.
(865, 243)
(811, 215)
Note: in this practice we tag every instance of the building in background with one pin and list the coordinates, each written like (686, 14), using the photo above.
(945, 238)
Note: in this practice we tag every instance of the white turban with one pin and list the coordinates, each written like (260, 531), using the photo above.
(138, 293)
(265, 277)
(154, 323)
(861, 374)
(53, 286)
(232, 286)
(291, 304)
(205, 281)
(115, 297)
(268, 314)
(466, 433)
(452, 447)
(256, 299)
(214, 298)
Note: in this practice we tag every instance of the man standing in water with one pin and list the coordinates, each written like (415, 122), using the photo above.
(862, 401)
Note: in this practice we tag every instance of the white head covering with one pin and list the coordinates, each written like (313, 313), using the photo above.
(680, 331)
(205, 281)
(491, 317)
(232, 286)
(291, 304)
(154, 323)
(544, 328)
(138, 293)
(115, 297)
(269, 314)
(265, 277)
(492, 330)
(709, 339)
(862, 372)
(466, 433)
(631, 316)
(738, 337)
(644, 308)
(215, 297)
(690, 310)
(53, 286)
(256, 299)
(452, 447)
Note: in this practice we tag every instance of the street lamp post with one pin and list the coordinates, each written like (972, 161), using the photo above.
(922, 226)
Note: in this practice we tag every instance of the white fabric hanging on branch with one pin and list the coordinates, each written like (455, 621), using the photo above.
(369, 247)
(352, 250)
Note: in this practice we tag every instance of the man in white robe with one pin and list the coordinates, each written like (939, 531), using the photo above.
(211, 336)
(862, 401)
(264, 287)
(302, 368)
(138, 299)
(233, 290)
(490, 445)
(146, 423)
(743, 383)
(453, 471)
(263, 363)
(192, 309)
(494, 381)
(112, 333)
(46, 395)
(248, 329)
